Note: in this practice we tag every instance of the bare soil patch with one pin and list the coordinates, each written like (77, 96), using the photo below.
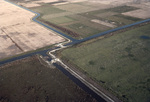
(143, 12)
(32, 4)
(7, 47)
(112, 2)
(103, 23)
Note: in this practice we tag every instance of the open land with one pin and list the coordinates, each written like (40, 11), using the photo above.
(119, 63)
(27, 80)
(18, 33)
(83, 18)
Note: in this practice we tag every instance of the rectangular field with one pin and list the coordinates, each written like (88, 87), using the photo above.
(143, 12)
(119, 20)
(61, 20)
(47, 9)
(82, 29)
(18, 33)
(120, 63)
(76, 8)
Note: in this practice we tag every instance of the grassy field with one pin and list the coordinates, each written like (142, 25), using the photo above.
(76, 8)
(120, 63)
(119, 20)
(61, 20)
(118, 9)
(83, 30)
(121, 9)
(29, 81)
(47, 9)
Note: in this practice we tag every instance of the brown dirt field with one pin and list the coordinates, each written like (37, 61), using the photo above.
(143, 12)
(37, 3)
(77, 0)
(30, 3)
(97, 5)
(112, 2)
(7, 45)
(18, 33)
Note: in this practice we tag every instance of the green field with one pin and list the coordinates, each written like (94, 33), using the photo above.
(75, 8)
(120, 63)
(83, 30)
(122, 9)
(28, 80)
(61, 20)
(119, 20)
(47, 9)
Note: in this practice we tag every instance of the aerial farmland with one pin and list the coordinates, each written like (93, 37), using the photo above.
(75, 50)
(83, 18)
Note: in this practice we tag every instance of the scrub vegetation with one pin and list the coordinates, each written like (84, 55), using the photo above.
(28, 80)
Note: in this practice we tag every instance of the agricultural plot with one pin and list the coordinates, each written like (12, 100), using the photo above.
(46, 10)
(119, 20)
(34, 3)
(113, 2)
(86, 21)
(83, 29)
(106, 14)
(142, 13)
(95, 17)
(62, 20)
(76, 8)
(119, 63)
(66, 16)
(96, 4)
(121, 9)
(100, 15)
(19, 34)
(113, 15)
(7, 47)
